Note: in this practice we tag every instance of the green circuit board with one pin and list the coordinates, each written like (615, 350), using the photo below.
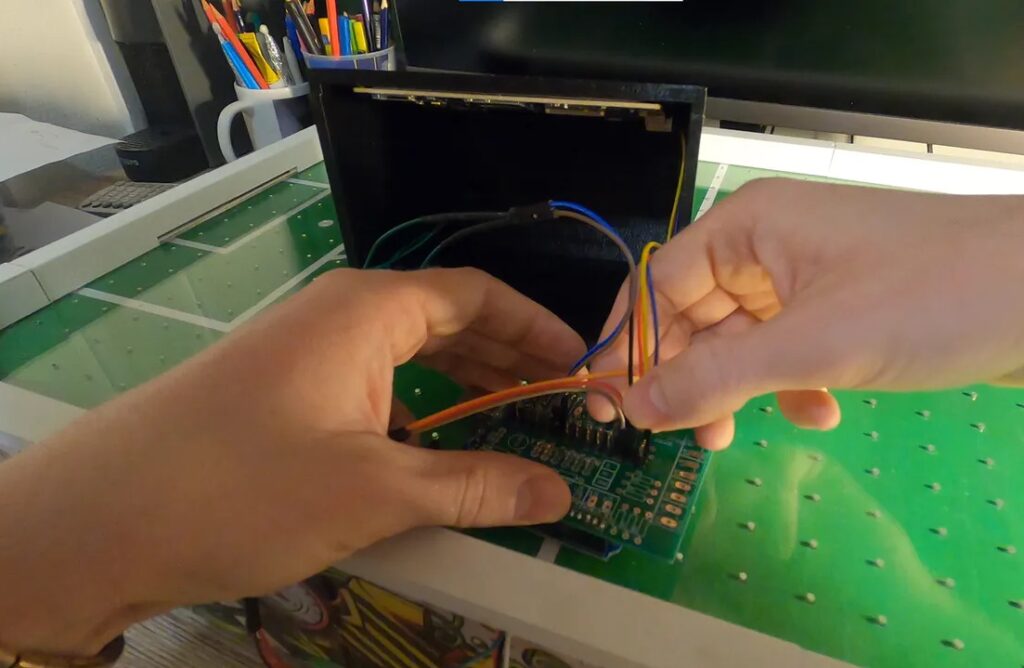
(905, 524)
(639, 497)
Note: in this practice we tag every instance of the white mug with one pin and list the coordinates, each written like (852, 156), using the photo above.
(270, 114)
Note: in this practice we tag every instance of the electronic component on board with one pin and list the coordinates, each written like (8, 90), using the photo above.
(566, 415)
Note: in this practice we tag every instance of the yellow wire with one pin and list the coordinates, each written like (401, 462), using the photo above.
(679, 192)
(641, 319)
(645, 303)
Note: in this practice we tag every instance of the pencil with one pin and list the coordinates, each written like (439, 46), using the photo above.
(241, 73)
(232, 39)
(332, 19)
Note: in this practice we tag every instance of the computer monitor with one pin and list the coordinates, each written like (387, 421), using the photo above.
(842, 67)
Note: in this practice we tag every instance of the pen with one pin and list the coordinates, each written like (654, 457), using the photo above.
(309, 36)
(385, 25)
(375, 22)
(368, 19)
(237, 7)
(293, 34)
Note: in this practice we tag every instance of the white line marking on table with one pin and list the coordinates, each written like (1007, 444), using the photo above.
(197, 245)
(249, 236)
(549, 550)
(709, 197)
(336, 254)
(306, 182)
(154, 309)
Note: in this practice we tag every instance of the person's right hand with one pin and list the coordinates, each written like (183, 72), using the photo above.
(788, 286)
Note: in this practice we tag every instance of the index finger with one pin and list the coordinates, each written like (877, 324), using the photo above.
(423, 308)
(682, 275)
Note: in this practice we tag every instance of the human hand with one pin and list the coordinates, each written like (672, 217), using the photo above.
(789, 286)
(264, 459)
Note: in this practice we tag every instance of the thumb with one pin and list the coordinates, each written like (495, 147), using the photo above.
(718, 375)
(483, 489)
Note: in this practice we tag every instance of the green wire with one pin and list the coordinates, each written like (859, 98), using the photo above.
(466, 217)
(411, 248)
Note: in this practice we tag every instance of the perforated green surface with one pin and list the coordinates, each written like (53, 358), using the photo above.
(171, 302)
(905, 525)
(245, 218)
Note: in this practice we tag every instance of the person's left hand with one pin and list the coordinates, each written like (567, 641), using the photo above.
(264, 459)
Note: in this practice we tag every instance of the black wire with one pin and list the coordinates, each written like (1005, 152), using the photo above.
(497, 223)
(629, 362)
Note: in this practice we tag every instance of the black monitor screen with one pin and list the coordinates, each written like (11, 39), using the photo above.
(945, 60)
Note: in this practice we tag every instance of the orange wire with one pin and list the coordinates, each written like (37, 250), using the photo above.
(646, 308)
(600, 375)
(487, 401)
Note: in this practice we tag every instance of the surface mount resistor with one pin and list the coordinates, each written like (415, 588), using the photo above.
(589, 467)
(557, 457)
(537, 447)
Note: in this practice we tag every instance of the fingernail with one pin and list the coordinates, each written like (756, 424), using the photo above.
(541, 498)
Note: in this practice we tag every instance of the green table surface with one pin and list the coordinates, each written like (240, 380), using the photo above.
(895, 540)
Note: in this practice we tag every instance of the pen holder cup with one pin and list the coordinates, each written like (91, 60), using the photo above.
(375, 60)
(270, 114)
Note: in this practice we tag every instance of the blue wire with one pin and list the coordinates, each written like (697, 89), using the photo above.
(654, 315)
(578, 208)
(602, 344)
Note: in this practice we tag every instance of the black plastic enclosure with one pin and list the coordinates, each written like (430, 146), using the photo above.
(399, 145)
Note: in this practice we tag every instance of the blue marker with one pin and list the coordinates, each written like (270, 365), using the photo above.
(293, 34)
(345, 33)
